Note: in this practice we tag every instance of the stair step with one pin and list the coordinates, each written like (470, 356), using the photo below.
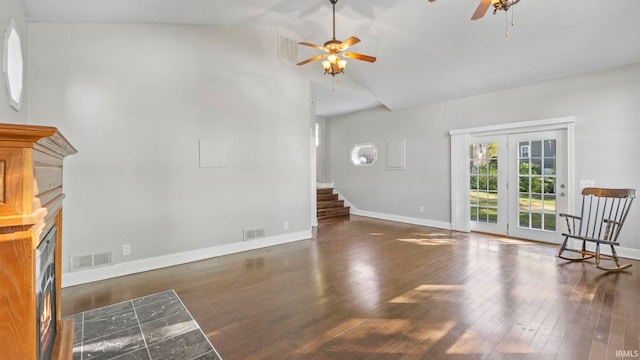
(327, 197)
(324, 191)
(330, 204)
(325, 213)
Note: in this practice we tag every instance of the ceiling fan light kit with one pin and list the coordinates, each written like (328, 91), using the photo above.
(334, 65)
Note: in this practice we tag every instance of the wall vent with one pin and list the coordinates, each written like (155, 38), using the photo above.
(80, 262)
(253, 234)
(287, 49)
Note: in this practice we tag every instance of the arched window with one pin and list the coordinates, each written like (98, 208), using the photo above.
(12, 65)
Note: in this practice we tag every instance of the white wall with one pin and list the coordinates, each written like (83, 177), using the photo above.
(607, 110)
(323, 174)
(12, 9)
(136, 99)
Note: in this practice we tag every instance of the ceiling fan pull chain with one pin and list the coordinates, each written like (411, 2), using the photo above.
(513, 21)
(506, 24)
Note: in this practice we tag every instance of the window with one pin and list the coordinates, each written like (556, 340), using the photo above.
(13, 65)
(364, 154)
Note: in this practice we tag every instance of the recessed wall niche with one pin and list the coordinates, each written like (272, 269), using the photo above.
(12, 64)
(396, 159)
(213, 154)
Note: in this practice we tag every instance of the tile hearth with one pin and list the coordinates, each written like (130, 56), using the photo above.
(153, 327)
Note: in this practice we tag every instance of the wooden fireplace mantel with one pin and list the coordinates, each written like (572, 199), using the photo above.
(31, 196)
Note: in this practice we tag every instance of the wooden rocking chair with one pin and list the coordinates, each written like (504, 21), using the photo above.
(601, 218)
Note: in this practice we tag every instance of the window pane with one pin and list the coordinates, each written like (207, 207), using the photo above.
(549, 148)
(550, 222)
(549, 185)
(493, 183)
(549, 204)
(523, 184)
(524, 202)
(523, 219)
(536, 149)
(536, 221)
(536, 166)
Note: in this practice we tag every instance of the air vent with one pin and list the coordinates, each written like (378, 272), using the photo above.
(287, 49)
(102, 259)
(253, 234)
(80, 262)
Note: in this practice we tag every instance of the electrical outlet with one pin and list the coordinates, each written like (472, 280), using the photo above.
(126, 249)
(286, 225)
(421, 208)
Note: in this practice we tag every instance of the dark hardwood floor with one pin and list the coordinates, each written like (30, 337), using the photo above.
(372, 289)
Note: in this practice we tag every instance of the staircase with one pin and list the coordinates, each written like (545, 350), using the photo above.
(328, 204)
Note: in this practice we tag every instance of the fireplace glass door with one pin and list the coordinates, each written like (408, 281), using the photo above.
(45, 295)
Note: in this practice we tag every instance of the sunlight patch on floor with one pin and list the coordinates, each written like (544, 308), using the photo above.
(431, 242)
(428, 292)
(399, 336)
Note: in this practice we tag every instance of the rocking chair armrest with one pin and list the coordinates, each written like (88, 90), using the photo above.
(570, 216)
(609, 222)
(595, 240)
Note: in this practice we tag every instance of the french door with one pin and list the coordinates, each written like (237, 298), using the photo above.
(517, 184)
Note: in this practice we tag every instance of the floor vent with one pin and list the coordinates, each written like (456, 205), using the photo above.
(253, 234)
(80, 262)
(287, 49)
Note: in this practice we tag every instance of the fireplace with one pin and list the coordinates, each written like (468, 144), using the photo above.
(31, 195)
(46, 295)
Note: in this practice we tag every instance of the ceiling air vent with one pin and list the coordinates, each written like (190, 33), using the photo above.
(287, 49)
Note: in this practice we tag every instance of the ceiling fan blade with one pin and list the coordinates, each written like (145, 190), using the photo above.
(312, 45)
(318, 57)
(432, 0)
(359, 57)
(481, 10)
(349, 42)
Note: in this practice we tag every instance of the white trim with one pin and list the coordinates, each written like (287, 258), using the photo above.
(313, 193)
(403, 219)
(460, 148)
(158, 262)
(460, 182)
(533, 125)
(324, 185)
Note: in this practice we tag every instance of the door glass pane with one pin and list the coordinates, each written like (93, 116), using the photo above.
(537, 185)
(483, 191)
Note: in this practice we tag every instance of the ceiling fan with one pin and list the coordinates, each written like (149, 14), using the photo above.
(497, 5)
(333, 65)
(484, 5)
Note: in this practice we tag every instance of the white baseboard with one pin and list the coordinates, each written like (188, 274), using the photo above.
(136, 266)
(403, 219)
(324, 185)
(624, 252)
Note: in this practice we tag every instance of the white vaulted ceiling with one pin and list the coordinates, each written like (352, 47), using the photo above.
(427, 52)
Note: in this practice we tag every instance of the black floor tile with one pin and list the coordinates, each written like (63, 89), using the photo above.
(153, 327)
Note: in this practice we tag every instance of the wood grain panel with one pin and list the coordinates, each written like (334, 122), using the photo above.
(17, 275)
(13, 203)
(47, 178)
(41, 158)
